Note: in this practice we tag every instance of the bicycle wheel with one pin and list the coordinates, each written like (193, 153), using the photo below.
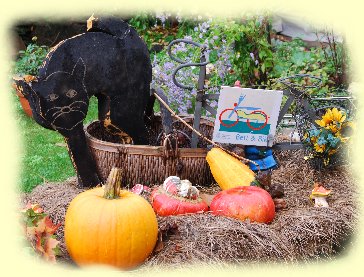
(261, 126)
(226, 113)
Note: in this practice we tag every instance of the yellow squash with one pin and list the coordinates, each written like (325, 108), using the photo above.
(228, 171)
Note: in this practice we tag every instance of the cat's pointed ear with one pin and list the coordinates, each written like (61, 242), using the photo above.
(22, 85)
(79, 70)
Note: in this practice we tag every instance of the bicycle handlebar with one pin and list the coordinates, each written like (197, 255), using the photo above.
(294, 85)
(185, 63)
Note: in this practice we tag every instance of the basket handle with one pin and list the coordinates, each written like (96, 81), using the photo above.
(170, 146)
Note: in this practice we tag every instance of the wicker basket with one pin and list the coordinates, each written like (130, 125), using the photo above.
(150, 165)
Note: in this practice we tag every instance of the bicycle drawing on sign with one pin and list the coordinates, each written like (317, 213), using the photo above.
(246, 116)
(255, 120)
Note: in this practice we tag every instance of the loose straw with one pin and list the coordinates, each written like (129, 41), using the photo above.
(201, 135)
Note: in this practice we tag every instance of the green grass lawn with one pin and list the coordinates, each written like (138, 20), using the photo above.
(44, 156)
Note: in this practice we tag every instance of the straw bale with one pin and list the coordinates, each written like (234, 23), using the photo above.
(298, 233)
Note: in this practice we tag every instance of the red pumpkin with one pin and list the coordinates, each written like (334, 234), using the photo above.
(165, 204)
(244, 202)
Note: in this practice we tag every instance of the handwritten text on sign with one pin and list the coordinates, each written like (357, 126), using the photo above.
(246, 116)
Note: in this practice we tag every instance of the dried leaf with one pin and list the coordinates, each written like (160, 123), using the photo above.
(50, 228)
(51, 249)
(32, 214)
(35, 207)
(39, 230)
(38, 243)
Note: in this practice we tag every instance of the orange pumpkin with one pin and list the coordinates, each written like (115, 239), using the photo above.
(245, 202)
(110, 226)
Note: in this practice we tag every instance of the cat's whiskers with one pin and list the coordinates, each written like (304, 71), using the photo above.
(60, 113)
(70, 106)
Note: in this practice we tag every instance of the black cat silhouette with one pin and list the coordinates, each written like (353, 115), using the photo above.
(109, 61)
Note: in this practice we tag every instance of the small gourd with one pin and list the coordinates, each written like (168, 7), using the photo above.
(176, 197)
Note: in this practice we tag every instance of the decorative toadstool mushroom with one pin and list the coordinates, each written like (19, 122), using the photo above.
(319, 194)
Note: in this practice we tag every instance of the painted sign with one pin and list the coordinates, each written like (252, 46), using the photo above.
(246, 116)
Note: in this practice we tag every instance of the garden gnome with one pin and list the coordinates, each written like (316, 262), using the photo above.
(263, 156)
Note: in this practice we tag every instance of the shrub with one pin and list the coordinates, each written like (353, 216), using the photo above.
(30, 60)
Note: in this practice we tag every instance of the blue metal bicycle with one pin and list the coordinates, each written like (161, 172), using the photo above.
(305, 109)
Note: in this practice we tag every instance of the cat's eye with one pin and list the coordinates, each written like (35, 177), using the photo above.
(52, 97)
(71, 93)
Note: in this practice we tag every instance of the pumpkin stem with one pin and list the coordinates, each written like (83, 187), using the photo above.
(113, 184)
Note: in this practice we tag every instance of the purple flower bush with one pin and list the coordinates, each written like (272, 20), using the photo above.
(218, 52)
(162, 17)
(163, 67)
(238, 49)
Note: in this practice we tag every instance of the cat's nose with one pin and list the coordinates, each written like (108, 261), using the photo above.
(65, 109)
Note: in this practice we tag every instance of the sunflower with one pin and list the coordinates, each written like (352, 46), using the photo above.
(313, 140)
(332, 120)
(319, 148)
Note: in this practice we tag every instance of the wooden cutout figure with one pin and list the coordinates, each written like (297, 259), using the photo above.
(109, 61)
